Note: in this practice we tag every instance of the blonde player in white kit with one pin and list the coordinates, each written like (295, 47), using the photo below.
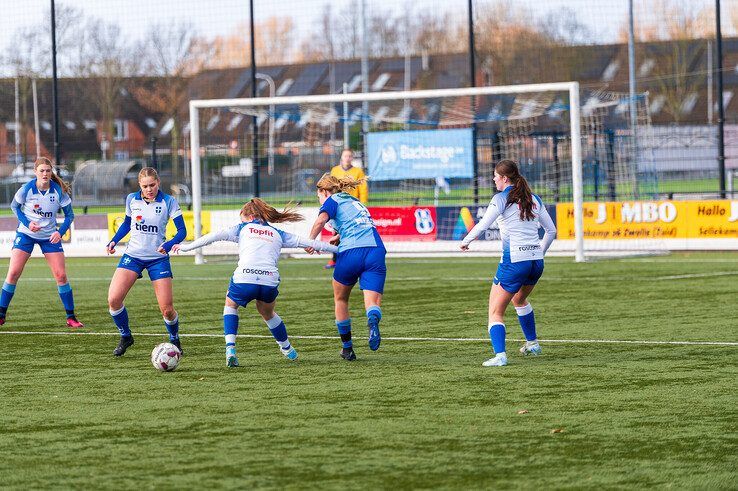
(147, 214)
(519, 213)
(37, 205)
(257, 275)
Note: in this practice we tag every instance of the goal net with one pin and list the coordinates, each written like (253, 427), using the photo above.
(429, 156)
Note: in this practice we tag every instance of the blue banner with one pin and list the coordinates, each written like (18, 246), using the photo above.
(425, 154)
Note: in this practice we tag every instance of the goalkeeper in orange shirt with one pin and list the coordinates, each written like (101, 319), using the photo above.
(361, 192)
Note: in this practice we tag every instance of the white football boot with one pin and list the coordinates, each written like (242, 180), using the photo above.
(531, 348)
(499, 360)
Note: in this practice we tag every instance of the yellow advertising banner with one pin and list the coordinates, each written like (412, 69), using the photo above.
(116, 219)
(652, 220)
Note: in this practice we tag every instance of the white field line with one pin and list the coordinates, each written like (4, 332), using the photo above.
(412, 339)
(697, 275)
(326, 279)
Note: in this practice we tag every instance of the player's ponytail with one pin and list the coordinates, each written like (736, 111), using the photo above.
(334, 184)
(260, 209)
(520, 193)
(66, 188)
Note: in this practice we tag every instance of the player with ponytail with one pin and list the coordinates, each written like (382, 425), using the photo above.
(360, 256)
(147, 214)
(257, 275)
(519, 214)
(36, 205)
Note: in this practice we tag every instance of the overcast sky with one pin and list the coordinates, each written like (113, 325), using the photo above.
(602, 18)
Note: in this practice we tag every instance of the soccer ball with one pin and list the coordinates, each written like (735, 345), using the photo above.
(165, 357)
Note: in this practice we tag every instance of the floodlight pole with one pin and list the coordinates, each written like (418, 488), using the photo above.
(154, 160)
(54, 95)
(721, 109)
(632, 89)
(35, 118)
(345, 119)
(364, 79)
(473, 83)
(254, 129)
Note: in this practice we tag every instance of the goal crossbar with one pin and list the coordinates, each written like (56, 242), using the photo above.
(574, 120)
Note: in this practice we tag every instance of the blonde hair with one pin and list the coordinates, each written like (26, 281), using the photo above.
(66, 188)
(259, 208)
(334, 184)
(148, 172)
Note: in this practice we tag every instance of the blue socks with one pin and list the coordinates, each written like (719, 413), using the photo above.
(275, 325)
(374, 314)
(172, 327)
(120, 317)
(65, 293)
(6, 295)
(497, 337)
(344, 330)
(279, 331)
(230, 325)
(527, 321)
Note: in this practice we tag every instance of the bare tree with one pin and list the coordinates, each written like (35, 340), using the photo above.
(26, 60)
(108, 60)
(338, 35)
(274, 44)
(170, 53)
(438, 34)
(669, 40)
(321, 44)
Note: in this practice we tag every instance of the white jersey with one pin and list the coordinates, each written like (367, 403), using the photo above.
(41, 207)
(259, 245)
(520, 241)
(149, 224)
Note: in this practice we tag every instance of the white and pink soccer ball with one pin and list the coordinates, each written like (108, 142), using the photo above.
(165, 357)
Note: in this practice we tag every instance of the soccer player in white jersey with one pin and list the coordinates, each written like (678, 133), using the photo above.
(257, 275)
(360, 256)
(147, 215)
(36, 205)
(519, 214)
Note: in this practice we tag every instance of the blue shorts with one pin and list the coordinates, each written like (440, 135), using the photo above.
(512, 276)
(365, 264)
(243, 293)
(157, 268)
(26, 243)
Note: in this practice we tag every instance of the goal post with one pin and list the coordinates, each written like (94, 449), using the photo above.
(262, 105)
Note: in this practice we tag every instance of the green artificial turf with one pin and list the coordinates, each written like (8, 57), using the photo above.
(415, 414)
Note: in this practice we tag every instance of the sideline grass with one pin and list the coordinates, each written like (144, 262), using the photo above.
(413, 415)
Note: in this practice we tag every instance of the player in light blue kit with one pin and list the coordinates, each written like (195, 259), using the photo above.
(36, 205)
(257, 275)
(519, 214)
(147, 215)
(360, 257)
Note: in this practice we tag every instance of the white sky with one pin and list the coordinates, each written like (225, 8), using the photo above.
(212, 17)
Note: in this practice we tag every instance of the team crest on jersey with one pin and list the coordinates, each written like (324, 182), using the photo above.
(158, 210)
(52, 198)
(424, 221)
